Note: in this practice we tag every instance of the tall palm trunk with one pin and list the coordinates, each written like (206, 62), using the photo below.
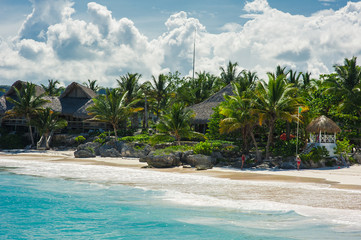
(270, 138)
(258, 157)
(30, 131)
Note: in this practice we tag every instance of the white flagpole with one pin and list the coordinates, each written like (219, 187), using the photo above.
(194, 50)
(298, 125)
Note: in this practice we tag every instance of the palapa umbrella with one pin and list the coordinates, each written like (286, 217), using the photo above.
(323, 124)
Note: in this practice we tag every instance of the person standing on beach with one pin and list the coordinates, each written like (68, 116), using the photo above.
(243, 159)
(298, 159)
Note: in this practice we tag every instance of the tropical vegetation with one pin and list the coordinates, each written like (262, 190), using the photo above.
(261, 115)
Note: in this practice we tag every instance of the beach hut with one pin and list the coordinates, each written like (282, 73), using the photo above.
(323, 133)
(204, 110)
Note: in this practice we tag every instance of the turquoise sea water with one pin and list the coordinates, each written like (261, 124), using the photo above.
(38, 207)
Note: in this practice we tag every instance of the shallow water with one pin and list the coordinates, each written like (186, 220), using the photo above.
(67, 200)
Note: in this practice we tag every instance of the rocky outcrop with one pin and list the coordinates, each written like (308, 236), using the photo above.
(90, 145)
(84, 153)
(199, 161)
(161, 161)
(135, 150)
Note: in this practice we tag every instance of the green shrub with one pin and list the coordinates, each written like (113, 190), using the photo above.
(101, 138)
(136, 138)
(80, 139)
(172, 149)
(315, 155)
(285, 148)
(343, 146)
(12, 141)
(207, 147)
(159, 138)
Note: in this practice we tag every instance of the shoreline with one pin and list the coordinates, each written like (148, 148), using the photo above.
(342, 178)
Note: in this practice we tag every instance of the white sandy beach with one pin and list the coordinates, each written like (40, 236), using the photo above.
(342, 176)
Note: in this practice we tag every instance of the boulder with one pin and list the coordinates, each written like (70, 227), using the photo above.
(84, 153)
(289, 165)
(135, 150)
(162, 161)
(111, 152)
(201, 162)
(93, 145)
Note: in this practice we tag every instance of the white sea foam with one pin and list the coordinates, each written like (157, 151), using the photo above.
(315, 201)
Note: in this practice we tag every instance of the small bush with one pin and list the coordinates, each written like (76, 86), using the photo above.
(91, 149)
(136, 138)
(285, 148)
(159, 138)
(207, 147)
(80, 139)
(172, 149)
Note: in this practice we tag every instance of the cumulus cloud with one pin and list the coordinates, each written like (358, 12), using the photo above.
(53, 45)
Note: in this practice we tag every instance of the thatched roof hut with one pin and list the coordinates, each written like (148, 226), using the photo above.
(323, 124)
(74, 99)
(6, 105)
(204, 110)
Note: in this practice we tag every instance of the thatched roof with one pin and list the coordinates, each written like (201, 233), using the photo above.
(204, 110)
(323, 124)
(78, 88)
(82, 112)
(18, 84)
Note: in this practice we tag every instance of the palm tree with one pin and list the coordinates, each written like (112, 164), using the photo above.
(246, 81)
(26, 104)
(46, 122)
(51, 89)
(92, 84)
(294, 78)
(160, 92)
(198, 89)
(275, 100)
(176, 122)
(229, 74)
(347, 85)
(110, 108)
(238, 112)
(130, 84)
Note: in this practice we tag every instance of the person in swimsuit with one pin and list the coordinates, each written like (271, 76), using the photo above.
(298, 159)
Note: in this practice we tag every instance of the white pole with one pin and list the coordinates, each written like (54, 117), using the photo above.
(194, 50)
(298, 125)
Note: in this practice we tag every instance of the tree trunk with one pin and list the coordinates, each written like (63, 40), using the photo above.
(270, 136)
(30, 131)
(47, 147)
(258, 157)
(115, 131)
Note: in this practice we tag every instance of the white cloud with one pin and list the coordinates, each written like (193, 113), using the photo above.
(53, 45)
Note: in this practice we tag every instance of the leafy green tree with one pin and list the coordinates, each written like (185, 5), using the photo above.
(229, 74)
(92, 84)
(26, 103)
(46, 121)
(176, 122)
(51, 89)
(275, 100)
(347, 86)
(111, 108)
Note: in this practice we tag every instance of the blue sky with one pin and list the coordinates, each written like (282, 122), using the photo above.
(103, 39)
